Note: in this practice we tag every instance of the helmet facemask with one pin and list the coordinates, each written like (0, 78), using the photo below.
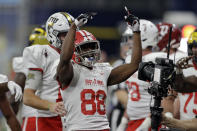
(87, 53)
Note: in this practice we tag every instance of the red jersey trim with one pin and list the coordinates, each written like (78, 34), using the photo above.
(65, 87)
(57, 49)
(59, 99)
(36, 69)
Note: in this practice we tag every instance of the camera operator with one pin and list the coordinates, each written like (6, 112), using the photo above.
(186, 85)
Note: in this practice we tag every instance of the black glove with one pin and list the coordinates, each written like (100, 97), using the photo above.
(82, 19)
(132, 20)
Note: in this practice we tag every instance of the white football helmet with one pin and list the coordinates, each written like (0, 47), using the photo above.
(58, 23)
(126, 35)
(149, 33)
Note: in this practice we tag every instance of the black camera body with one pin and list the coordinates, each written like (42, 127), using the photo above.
(162, 71)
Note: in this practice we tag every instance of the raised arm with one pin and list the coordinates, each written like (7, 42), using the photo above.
(65, 69)
(123, 72)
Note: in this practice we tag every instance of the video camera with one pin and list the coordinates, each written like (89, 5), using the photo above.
(161, 75)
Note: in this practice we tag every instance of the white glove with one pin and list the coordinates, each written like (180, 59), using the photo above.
(132, 20)
(146, 124)
(82, 19)
(15, 89)
(123, 124)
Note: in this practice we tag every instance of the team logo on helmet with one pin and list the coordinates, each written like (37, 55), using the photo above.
(58, 23)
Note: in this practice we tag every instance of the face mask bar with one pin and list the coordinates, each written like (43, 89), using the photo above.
(88, 53)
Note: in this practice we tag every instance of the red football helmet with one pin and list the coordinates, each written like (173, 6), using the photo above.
(87, 49)
(164, 29)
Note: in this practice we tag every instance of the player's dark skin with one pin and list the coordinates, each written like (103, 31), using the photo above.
(185, 84)
(118, 75)
(20, 80)
(5, 106)
(9, 111)
(3, 88)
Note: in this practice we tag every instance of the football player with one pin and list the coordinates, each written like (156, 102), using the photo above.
(84, 81)
(138, 98)
(185, 83)
(42, 91)
(27, 113)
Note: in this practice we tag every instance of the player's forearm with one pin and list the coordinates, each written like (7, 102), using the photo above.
(3, 87)
(36, 102)
(20, 80)
(123, 72)
(188, 125)
(185, 84)
(9, 114)
(14, 124)
(68, 45)
(136, 50)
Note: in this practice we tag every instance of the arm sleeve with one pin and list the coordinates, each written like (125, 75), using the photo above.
(33, 61)
(34, 80)
(32, 58)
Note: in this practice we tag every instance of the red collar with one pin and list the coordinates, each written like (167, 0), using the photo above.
(57, 49)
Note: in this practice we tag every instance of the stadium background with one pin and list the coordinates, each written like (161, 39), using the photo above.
(18, 17)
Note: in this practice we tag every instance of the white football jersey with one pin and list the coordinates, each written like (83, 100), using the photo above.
(188, 101)
(85, 97)
(178, 55)
(139, 101)
(41, 58)
(18, 66)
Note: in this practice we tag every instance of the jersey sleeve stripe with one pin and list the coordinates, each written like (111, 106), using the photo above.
(36, 69)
